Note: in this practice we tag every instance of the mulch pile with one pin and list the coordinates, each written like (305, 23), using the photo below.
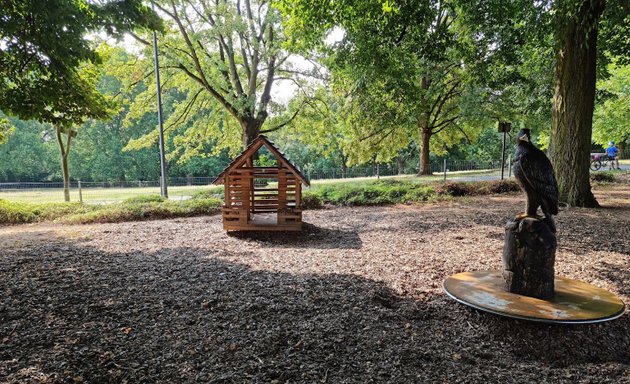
(355, 298)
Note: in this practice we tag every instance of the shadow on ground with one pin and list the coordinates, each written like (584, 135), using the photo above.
(71, 312)
(311, 236)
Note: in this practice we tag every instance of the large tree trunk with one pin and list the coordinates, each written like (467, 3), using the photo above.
(65, 152)
(250, 129)
(400, 161)
(573, 104)
(344, 165)
(66, 178)
(424, 167)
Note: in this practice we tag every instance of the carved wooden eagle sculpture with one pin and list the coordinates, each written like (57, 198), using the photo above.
(534, 174)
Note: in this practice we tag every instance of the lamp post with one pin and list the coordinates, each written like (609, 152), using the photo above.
(163, 186)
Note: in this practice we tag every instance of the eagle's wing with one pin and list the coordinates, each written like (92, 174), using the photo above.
(538, 172)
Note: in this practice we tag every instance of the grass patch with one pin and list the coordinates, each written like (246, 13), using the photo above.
(213, 193)
(12, 212)
(209, 201)
(144, 199)
(374, 193)
(132, 209)
(392, 191)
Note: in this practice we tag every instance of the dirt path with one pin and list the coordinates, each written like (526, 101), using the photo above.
(355, 298)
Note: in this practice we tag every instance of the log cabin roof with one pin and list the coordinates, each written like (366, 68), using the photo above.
(251, 149)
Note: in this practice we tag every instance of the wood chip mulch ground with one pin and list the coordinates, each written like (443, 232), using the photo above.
(355, 298)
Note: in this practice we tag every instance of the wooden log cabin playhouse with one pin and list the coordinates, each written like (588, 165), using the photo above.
(262, 198)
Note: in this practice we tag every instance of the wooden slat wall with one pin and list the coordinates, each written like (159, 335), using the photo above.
(243, 198)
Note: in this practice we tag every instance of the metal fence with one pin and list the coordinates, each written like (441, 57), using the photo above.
(181, 188)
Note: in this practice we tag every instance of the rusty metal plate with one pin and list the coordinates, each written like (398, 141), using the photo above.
(574, 302)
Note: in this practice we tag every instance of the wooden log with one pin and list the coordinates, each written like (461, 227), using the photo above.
(529, 254)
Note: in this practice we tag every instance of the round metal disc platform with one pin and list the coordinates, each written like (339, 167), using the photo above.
(574, 302)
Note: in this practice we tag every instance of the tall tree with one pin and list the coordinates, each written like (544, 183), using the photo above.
(44, 42)
(226, 56)
(574, 99)
(47, 61)
(76, 104)
(573, 30)
(402, 63)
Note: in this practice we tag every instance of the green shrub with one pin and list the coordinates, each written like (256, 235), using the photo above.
(419, 194)
(15, 213)
(144, 199)
(214, 193)
(311, 201)
(150, 210)
(455, 189)
(499, 186)
(603, 177)
(54, 211)
(376, 193)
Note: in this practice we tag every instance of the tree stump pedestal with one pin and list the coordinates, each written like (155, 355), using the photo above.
(529, 255)
(526, 288)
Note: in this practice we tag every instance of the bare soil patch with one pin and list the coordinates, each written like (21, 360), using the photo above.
(355, 298)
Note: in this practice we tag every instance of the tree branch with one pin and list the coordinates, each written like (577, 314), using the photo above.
(187, 109)
(443, 124)
(138, 38)
(448, 95)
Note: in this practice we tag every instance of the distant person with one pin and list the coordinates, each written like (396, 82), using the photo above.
(613, 155)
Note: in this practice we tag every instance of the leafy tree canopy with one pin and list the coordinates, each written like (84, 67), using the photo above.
(611, 121)
(45, 51)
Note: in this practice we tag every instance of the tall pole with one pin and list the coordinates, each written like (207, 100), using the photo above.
(163, 187)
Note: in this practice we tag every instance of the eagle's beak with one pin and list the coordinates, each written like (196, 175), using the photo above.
(524, 138)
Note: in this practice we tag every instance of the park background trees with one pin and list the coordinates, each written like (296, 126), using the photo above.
(571, 30)
(48, 63)
(400, 82)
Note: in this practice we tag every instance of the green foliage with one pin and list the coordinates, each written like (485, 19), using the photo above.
(403, 68)
(144, 199)
(133, 211)
(214, 193)
(458, 189)
(17, 213)
(392, 191)
(6, 129)
(14, 213)
(310, 200)
(374, 193)
(603, 177)
(46, 63)
(611, 120)
(139, 208)
(222, 61)
(28, 153)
